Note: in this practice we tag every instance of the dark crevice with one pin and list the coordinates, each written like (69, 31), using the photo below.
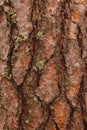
(9, 64)
(12, 45)
(80, 39)
(1, 10)
(72, 110)
(85, 125)
(56, 125)
(81, 99)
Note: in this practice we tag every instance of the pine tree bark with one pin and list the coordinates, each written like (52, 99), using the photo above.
(43, 65)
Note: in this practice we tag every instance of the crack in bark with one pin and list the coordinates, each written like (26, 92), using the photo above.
(80, 40)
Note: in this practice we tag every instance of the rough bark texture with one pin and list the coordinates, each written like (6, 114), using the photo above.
(43, 64)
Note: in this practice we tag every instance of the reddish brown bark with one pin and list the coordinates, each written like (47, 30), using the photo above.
(43, 65)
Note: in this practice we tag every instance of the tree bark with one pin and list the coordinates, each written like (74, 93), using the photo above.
(43, 65)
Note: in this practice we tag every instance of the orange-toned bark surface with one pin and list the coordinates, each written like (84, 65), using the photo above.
(43, 64)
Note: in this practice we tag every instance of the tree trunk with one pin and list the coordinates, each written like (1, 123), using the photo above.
(43, 64)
